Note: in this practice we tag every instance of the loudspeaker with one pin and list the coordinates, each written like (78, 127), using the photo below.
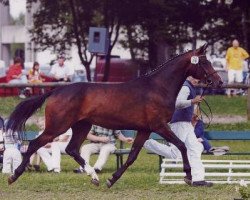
(98, 40)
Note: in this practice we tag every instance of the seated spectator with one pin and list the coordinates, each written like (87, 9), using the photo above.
(102, 142)
(58, 147)
(14, 75)
(51, 153)
(34, 75)
(200, 134)
(60, 71)
(12, 156)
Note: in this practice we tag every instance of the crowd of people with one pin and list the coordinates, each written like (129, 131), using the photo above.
(59, 73)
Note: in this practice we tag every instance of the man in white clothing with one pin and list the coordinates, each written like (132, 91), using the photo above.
(182, 127)
(60, 71)
(58, 147)
(51, 152)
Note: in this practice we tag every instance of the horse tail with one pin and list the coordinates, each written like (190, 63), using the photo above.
(17, 119)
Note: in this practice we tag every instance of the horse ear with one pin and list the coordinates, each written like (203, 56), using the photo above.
(203, 48)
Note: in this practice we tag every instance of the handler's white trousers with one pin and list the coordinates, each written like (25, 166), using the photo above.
(11, 160)
(185, 132)
(103, 149)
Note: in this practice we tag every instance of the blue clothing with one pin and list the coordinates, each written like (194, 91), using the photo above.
(199, 132)
(185, 115)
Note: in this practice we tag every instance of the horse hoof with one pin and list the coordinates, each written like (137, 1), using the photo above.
(109, 184)
(188, 180)
(11, 180)
(95, 182)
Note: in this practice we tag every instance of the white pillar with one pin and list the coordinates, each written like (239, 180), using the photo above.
(4, 48)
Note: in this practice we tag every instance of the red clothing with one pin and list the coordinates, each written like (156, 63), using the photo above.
(13, 70)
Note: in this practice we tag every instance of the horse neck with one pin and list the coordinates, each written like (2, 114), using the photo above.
(172, 77)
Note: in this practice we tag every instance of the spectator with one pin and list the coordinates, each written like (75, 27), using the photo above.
(234, 64)
(34, 75)
(58, 147)
(60, 71)
(102, 142)
(51, 153)
(14, 75)
(200, 134)
(12, 156)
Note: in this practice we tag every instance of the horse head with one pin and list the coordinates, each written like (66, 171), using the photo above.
(202, 69)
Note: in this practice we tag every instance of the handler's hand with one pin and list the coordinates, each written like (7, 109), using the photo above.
(197, 99)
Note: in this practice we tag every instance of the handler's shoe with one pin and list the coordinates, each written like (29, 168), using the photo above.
(202, 184)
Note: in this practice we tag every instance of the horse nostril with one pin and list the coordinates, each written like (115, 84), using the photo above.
(220, 82)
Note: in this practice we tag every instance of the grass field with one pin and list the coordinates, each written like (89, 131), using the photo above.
(139, 182)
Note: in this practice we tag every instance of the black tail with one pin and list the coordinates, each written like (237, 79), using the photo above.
(23, 111)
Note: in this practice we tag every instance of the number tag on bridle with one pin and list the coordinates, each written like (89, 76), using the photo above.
(194, 60)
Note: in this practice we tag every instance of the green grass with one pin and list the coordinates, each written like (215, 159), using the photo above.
(222, 105)
(7, 105)
(224, 127)
(139, 182)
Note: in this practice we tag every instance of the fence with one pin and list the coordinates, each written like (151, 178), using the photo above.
(58, 84)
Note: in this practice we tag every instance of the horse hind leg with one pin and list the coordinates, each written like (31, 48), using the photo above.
(34, 145)
(80, 131)
(141, 137)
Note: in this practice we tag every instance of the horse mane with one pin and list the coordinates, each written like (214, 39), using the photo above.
(164, 64)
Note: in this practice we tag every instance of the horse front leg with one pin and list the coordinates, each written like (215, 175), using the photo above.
(169, 135)
(141, 137)
(34, 145)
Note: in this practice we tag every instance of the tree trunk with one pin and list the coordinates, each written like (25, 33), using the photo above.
(107, 66)
(244, 29)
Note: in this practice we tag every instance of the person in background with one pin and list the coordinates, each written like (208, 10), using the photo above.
(34, 75)
(102, 142)
(60, 71)
(234, 64)
(58, 147)
(14, 75)
(50, 154)
(12, 157)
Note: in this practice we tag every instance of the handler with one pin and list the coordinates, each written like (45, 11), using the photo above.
(182, 127)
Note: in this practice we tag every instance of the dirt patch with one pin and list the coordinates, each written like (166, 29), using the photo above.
(227, 119)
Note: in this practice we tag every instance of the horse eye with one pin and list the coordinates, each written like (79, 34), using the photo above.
(209, 81)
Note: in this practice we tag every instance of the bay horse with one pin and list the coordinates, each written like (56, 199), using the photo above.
(145, 104)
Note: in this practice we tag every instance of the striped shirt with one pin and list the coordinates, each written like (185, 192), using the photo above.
(100, 131)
